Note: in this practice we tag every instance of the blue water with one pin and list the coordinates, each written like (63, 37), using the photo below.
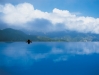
(43, 58)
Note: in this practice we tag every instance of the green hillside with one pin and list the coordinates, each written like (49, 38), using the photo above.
(17, 35)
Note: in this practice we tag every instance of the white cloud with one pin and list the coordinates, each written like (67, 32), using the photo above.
(21, 14)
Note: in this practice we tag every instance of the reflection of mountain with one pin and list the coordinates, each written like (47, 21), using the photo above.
(17, 35)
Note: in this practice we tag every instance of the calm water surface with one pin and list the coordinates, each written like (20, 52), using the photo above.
(43, 58)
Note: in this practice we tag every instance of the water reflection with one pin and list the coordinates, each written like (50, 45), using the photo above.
(22, 54)
(55, 51)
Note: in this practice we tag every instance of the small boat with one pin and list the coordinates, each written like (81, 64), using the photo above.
(29, 41)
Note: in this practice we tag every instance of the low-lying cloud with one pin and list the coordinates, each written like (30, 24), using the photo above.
(22, 15)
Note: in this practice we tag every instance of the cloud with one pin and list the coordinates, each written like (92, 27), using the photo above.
(19, 14)
(23, 14)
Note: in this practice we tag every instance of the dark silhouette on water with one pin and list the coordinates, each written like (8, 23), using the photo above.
(29, 41)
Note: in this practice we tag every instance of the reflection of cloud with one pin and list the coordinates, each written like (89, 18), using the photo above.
(84, 48)
(58, 51)
(62, 58)
(23, 14)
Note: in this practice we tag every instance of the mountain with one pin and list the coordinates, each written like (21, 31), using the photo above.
(15, 35)
(74, 36)
(69, 36)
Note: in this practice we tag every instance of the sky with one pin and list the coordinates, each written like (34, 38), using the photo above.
(50, 15)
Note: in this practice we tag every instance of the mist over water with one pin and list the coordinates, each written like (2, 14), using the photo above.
(49, 58)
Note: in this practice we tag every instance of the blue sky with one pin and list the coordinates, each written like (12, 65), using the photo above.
(86, 7)
(50, 15)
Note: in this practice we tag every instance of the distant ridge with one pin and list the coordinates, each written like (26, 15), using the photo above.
(13, 35)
